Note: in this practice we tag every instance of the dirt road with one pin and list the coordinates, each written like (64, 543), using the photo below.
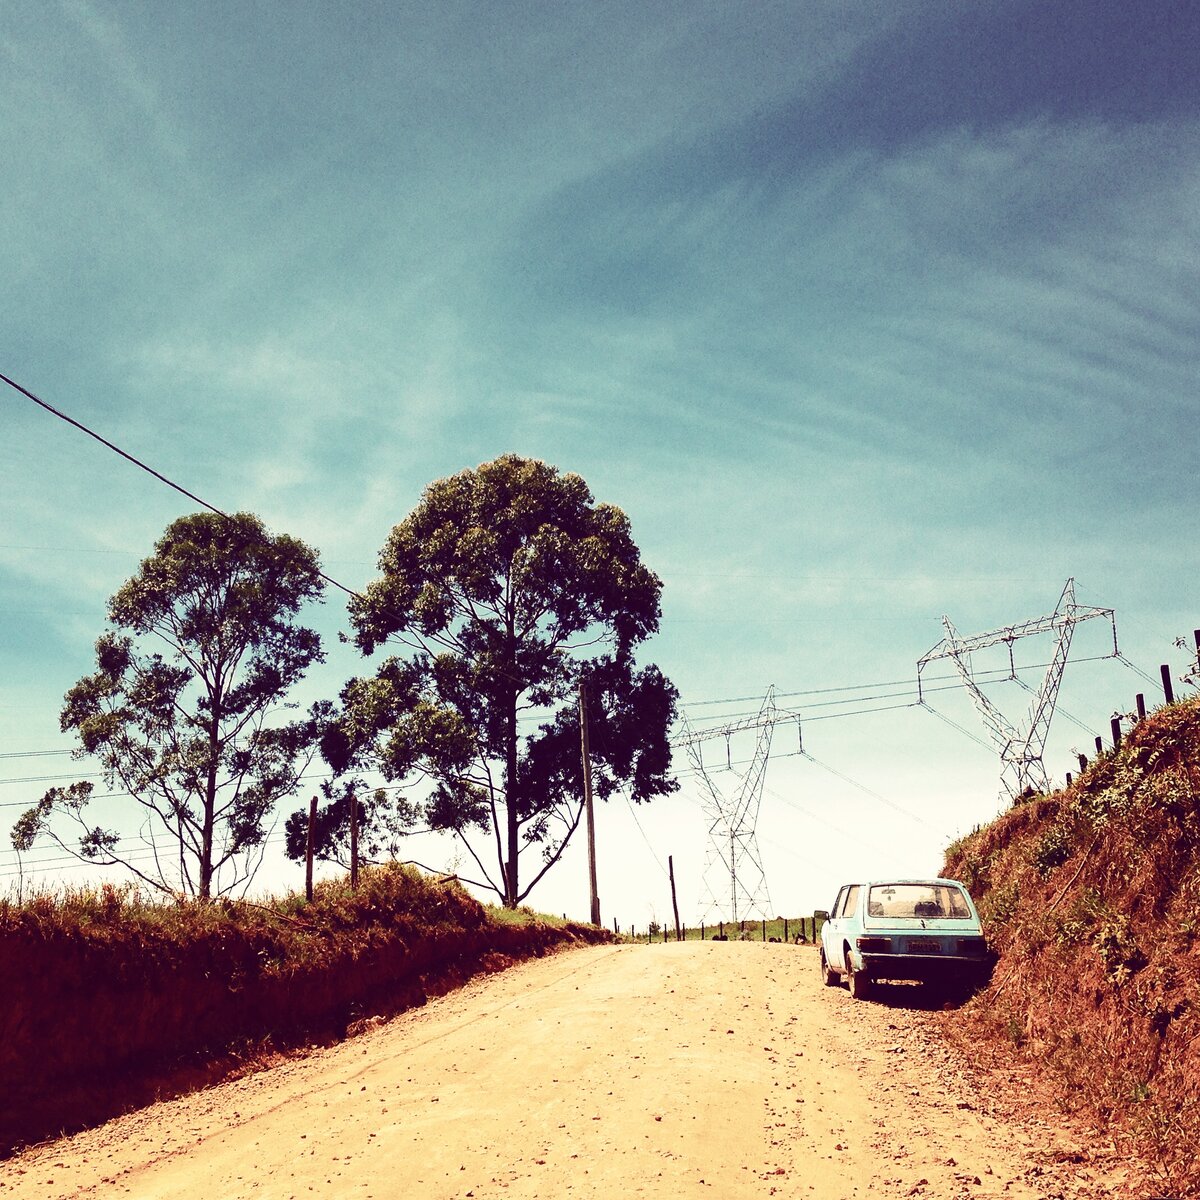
(722, 1070)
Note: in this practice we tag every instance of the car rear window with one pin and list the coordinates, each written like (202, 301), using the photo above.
(916, 900)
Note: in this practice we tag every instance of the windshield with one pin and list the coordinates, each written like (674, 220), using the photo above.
(916, 900)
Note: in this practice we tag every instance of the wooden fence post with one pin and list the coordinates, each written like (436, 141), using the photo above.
(1168, 691)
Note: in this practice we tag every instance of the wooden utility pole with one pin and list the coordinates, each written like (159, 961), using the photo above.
(587, 803)
(353, 843)
(308, 850)
(674, 902)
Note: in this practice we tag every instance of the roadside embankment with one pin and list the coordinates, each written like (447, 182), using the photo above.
(108, 1001)
(1091, 896)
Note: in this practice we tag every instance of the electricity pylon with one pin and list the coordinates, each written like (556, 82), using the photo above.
(1020, 749)
(733, 860)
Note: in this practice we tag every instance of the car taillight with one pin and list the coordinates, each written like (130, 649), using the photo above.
(972, 945)
(874, 945)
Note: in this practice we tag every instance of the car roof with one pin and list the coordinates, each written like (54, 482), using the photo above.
(925, 880)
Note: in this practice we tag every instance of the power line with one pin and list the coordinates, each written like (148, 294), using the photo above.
(872, 793)
(941, 716)
(649, 843)
(46, 779)
(1138, 671)
(909, 684)
(43, 864)
(137, 462)
(807, 812)
(806, 713)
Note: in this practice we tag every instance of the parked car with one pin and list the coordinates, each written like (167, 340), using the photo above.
(904, 929)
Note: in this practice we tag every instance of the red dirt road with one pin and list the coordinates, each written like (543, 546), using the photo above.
(722, 1070)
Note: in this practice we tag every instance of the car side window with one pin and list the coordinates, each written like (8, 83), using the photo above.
(837, 905)
(851, 905)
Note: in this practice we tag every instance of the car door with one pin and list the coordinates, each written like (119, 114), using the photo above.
(831, 937)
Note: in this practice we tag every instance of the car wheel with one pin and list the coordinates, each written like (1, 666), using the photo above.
(859, 983)
(828, 974)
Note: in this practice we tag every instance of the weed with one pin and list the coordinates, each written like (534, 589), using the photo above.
(1114, 943)
(1052, 851)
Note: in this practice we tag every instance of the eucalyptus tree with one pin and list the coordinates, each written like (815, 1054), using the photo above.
(182, 711)
(507, 589)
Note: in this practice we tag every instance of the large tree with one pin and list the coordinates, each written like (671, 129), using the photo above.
(182, 710)
(509, 588)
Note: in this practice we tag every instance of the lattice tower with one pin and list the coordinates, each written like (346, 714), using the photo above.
(734, 881)
(1020, 748)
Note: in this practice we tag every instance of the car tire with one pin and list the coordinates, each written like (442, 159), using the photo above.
(828, 974)
(858, 981)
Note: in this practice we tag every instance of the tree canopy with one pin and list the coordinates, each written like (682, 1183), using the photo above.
(509, 588)
(203, 647)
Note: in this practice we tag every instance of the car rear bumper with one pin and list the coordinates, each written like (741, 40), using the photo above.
(927, 968)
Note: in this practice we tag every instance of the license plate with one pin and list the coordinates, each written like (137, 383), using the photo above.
(924, 946)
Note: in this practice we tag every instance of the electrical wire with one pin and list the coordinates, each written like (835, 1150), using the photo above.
(806, 812)
(45, 779)
(649, 844)
(1138, 671)
(137, 462)
(871, 792)
(941, 716)
(1058, 708)
(1002, 673)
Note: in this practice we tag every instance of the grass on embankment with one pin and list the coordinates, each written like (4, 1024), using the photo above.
(108, 999)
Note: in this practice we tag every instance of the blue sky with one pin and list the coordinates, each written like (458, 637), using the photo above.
(864, 313)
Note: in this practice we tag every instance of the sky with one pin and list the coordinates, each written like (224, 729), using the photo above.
(864, 313)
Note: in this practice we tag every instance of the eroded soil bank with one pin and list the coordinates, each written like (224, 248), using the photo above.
(716, 1069)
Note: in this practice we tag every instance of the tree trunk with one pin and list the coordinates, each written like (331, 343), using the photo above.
(210, 807)
(510, 799)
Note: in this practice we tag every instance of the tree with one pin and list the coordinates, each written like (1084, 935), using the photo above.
(188, 732)
(509, 588)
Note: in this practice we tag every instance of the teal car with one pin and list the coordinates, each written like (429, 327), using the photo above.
(924, 930)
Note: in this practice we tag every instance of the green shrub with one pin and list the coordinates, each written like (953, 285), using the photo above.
(1052, 851)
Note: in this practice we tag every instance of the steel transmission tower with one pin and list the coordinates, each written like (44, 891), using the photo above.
(1020, 749)
(735, 884)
